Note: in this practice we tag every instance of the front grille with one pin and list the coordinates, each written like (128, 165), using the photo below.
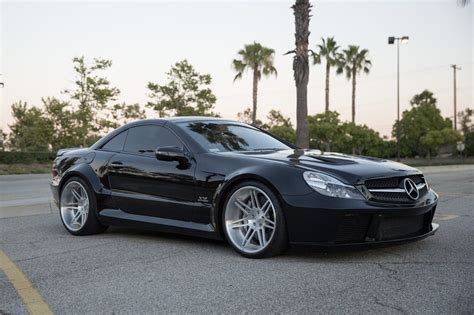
(353, 228)
(392, 189)
(390, 196)
(400, 227)
(392, 182)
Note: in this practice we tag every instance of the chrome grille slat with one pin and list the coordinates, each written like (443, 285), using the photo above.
(390, 189)
(396, 190)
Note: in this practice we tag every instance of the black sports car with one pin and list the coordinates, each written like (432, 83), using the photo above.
(223, 179)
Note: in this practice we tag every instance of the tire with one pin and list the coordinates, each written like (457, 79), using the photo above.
(78, 208)
(253, 221)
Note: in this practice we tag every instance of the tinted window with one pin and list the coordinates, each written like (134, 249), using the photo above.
(217, 137)
(116, 143)
(145, 139)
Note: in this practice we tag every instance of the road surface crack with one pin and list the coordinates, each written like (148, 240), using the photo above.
(392, 274)
(389, 306)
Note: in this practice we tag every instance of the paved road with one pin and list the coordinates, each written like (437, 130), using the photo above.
(25, 195)
(125, 271)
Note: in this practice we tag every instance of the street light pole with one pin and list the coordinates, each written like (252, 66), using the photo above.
(391, 41)
(455, 67)
(398, 100)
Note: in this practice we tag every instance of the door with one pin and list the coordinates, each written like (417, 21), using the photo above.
(143, 185)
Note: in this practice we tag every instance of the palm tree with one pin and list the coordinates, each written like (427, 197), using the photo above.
(352, 62)
(328, 51)
(260, 60)
(301, 10)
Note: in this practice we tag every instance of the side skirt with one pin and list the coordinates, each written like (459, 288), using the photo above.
(117, 217)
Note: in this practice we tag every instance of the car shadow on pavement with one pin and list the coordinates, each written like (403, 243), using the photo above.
(294, 252)
(166, 236)
(355, 254)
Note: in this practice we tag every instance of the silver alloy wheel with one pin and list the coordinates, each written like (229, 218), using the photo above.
(74, 206)
(250, 219)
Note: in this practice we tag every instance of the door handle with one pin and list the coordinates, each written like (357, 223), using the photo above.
(117, 164)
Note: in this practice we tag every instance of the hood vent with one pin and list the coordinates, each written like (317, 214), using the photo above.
(332, 160)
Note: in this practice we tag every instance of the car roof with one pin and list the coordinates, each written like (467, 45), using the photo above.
(161, 122)
(179, 119)
(194, 118)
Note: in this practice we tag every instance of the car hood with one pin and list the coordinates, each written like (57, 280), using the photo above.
(348, 168)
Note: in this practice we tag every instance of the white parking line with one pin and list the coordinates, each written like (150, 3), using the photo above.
(445, 216)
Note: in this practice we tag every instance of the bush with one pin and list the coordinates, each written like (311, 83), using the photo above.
(12, 157)
(469, 141)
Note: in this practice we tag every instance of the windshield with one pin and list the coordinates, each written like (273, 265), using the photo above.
(223, 137)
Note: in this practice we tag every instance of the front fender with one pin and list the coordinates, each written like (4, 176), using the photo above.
(281, 180)
(86, 172)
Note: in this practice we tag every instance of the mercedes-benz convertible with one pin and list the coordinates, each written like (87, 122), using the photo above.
(223, 179)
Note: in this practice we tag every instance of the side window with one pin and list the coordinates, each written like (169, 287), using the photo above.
(145, 139)
(168, 139)
(116, 143)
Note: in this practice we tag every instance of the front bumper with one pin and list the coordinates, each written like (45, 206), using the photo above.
(54, 186)
(324, 221)
(371, 244)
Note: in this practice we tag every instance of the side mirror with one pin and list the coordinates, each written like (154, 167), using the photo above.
(171, 154)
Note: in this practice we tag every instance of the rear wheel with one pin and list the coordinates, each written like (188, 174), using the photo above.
(253, 221)
(78, 208)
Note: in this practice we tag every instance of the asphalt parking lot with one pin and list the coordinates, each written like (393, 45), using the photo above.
(127, 271)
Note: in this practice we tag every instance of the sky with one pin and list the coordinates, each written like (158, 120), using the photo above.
(143, 39)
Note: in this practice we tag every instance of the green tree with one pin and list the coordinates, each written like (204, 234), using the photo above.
(259, 60)
(3, 140)
(327, 50)
(56, 125)
(301, 11)
(30, 130)
(92, 94)
(125, 113)
(65, 124)
(324, 130)
(434, 139)
(280, 125)
(469, 141)
(187, 93)
(49, 127)
(328, 133)
(79, 121)
(424, 116)
(353, 61)
(276, 118)
(465, 120)
(363, 140)
(467, 128)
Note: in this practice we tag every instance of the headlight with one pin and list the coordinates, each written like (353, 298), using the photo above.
(329, 186)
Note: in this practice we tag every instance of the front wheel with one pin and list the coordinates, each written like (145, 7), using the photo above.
(78, 208)
(253, 221)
